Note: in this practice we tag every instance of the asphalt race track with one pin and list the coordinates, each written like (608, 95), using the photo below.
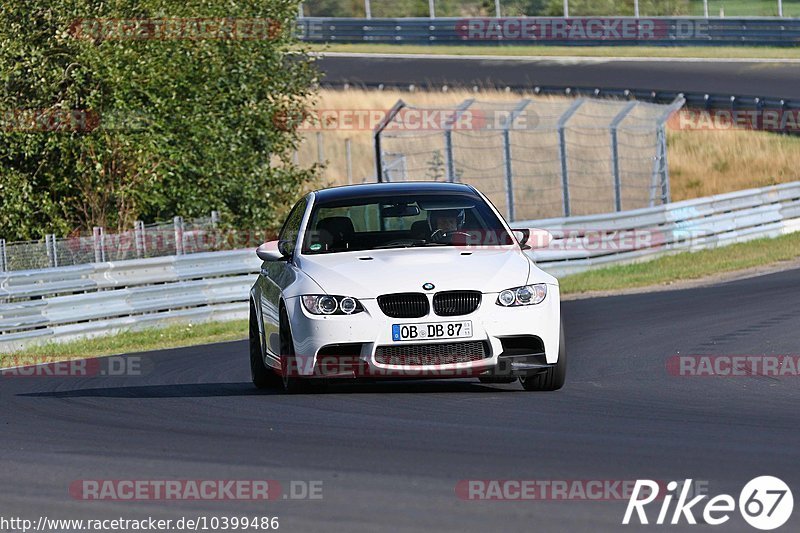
(390, 455)
(743, 78)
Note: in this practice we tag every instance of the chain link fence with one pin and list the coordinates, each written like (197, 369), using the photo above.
(535, 158)
(180, 237)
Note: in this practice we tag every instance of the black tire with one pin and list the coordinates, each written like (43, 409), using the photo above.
(291, 383)
(553, 378)
(490, 380)
(263, 377)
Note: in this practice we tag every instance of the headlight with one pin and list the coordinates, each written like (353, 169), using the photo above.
(527, 295)
(323, 304)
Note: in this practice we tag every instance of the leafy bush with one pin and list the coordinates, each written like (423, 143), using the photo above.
(177, 125)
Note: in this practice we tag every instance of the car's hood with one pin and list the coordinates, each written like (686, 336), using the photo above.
(406, 270)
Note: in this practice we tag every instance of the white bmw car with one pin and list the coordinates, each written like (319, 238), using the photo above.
(403, 280)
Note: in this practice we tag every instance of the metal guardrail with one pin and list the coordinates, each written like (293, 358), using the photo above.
(574, 31)
(587, 242)
(69, 302)
(63, 303)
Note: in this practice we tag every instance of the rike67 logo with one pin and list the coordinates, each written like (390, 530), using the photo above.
(765, 503)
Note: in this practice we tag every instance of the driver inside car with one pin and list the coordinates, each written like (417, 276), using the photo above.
(446, 221)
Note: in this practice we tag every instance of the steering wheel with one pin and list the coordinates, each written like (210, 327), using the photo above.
(439, 235)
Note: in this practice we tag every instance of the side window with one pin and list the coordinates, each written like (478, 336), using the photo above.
(291, 228)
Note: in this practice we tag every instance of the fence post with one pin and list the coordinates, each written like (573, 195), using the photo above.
(320, 149)
(660, 164)
(52, 250)
(562, 151)
(705, 8)
(348, 159)
(450, 170)
(177, 222)
(377, 137)
(3, 256)
(665, 187)
(432, 8)
(614, 127)
(48, 249)
(780, 8)
(636, 8)
(98, 239)
(566, 8)
(508, 166)
(214, 218)
(367, 9)
(139, 238)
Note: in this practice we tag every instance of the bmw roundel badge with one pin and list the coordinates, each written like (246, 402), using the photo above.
(428, 286)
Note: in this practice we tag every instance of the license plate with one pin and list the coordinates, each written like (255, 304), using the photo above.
(441, 330)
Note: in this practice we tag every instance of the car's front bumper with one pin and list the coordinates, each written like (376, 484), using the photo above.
(518, 341)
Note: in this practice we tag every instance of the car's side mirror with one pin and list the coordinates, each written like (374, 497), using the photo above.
(270, 251)
(522, 235)
(533, 238)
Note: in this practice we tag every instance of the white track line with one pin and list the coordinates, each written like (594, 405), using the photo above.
(559, 59)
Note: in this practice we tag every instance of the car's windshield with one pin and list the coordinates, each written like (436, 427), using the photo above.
(402, 221)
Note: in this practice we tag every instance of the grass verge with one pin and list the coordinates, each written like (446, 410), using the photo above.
(174, 336)
(686, 266)
(679, 267)
(712, 52)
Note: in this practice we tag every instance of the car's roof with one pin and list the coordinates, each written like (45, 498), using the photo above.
(367, 190)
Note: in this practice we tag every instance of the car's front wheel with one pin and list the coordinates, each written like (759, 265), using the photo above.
(553, 378)
(263, 377)
(292, 383)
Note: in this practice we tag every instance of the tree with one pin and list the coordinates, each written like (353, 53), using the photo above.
(102, 128)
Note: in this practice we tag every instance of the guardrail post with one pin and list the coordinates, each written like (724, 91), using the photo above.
(614, 127)
(98, 239)
(139, 238)
(178, 224)
(562, 150)
(3, 256)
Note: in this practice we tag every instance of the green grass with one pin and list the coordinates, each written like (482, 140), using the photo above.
(678, 267)
(686, 266)
(131, 341)
(581, 51)
(746, 8)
